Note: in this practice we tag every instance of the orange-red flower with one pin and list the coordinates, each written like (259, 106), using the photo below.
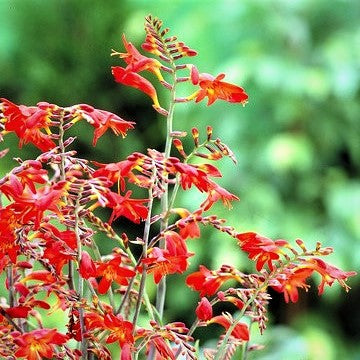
(241, 330)
(289, 282)
(204, 309)
(132, 209)
(8, 225)
(27, 123)
(214, 88)
(31, 206)
(172, 259)
(208, 282)
(110, 271)
(137, 62)
(103, 120)
(39, 344)
(261, 249)
(329, 274)
(133, 79)
(121, 331)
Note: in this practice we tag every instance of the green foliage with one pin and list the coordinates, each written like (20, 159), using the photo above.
(297, 141)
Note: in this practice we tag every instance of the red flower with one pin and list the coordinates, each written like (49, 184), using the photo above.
(112, 271)
(27, 123)
(133, 79)
(137, 62)
(27, 174)
(216, 193)
(121, 330)
(103, 120)
(188, 224)
(31, 206)
(241, 330)
(8, 225)
(172, 259)
(214, 88)
(60, 248)
(208, 282)
(204, 309)
(260, 249)
(87, 268)
(39, 344)
(289, 282)
(132, 209)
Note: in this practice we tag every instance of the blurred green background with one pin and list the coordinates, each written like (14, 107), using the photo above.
(297, 141)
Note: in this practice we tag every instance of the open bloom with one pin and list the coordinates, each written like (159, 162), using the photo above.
(27, 123)
(112, 271)
(260, 249)
(208, 282)
(172, 259)
(214, 88)
(39, 344)
(241, 330)
(102, 120)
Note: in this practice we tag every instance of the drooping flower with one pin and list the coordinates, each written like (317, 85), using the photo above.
(208, 282)
(241, 330)
(102, 120)
(39, 344)
(214, 88)
(261, 249)
(133, 79)
(329, 274)
(87, 268)
(172, 259)
(289, 281)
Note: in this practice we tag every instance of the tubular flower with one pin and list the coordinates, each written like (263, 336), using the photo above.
(132, 209)
(208, 282)
(172, 259)
(137, 62)
(112, 271)
(187, 224)
(31, 206)
(121, 330)
(216, 193)
(329, 273)
(103, 120)
(39, 344)
(214, 88)
(29, 173)
(133, 79)
(27, 123)
(289, 282)
(260, 249)
(241, 330)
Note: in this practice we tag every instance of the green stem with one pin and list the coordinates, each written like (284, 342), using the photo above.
(145, 249)
(84, 343)
(161, 290)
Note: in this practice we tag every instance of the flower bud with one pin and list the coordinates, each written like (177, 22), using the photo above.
(204, 310)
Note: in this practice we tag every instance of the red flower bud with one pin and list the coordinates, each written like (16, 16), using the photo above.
(204, 310)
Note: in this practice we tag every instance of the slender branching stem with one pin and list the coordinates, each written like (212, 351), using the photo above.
(145, 249)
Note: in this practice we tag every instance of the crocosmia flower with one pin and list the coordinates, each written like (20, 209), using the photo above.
(204, 310)
(39, 344)
(214, 88)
